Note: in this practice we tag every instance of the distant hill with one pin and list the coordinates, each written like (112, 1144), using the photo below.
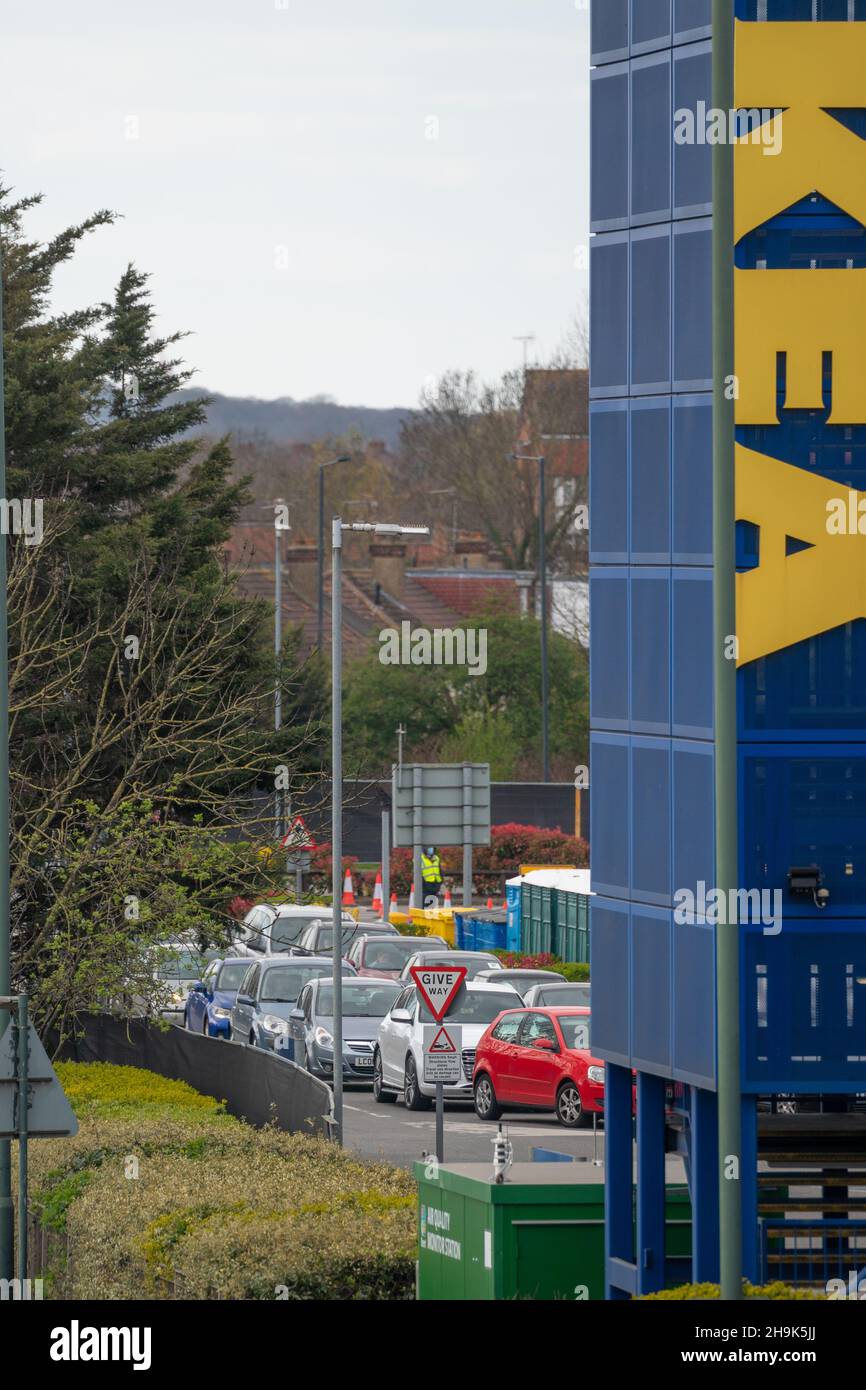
(287, 421)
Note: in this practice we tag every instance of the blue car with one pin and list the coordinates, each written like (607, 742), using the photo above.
(209, 1003)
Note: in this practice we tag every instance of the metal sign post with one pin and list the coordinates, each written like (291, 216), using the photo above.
(438, 987)
(441, 804)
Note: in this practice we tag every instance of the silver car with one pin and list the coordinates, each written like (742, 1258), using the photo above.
(559, 994)
(365, 1003)
(268, 993)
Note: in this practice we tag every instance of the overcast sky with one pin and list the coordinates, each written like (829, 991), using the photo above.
(336, 196)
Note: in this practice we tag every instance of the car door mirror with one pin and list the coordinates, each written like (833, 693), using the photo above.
(545, 1044)
(297, 1015)
(244, 999)
(401, 1016)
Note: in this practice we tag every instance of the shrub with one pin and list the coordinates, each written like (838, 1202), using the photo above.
(212, 1208)
(517, 960)
(709, 1291)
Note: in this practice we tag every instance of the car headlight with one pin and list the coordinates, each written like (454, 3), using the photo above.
(323, 1037)
(596, 1074)
(272, 1024)
(221, 1013)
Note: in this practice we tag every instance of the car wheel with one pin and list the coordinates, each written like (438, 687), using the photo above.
(380, 1095)
(412, 1097)
(487, 1107)
(569, 1107)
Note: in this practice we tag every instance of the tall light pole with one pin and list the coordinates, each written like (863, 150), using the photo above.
(6, 1269)
(320, 552)
(542, 574)
(338, 526)
(277, 507)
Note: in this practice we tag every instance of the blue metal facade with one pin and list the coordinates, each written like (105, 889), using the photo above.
(801, 710)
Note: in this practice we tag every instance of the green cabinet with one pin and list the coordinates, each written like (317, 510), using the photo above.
(554, 920)
(538, 1235)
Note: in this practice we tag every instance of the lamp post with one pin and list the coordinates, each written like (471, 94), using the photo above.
(6, 1260)
(542, 571)
(320, 553)
(338, 526)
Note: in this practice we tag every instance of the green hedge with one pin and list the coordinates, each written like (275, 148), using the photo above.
(520, 960)
(702, 1292)
(163, 1195)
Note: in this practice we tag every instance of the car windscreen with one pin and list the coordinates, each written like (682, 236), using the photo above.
(361, 999)
(387, 954)
(575, 1031)
(477, 1006)
(286, 931)
(184, 965)
(576, 995)
(325, 938)
(230, 976)
(283, 983)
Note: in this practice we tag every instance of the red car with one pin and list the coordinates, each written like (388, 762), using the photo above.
(541, 1059)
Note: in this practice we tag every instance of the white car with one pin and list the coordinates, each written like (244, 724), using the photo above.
(398, 1063)
(270, 929)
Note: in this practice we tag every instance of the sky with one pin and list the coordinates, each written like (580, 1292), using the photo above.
(340, 197)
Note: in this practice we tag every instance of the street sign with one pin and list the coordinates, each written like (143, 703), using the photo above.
(298, 837)
(441, 804)
(443, 1047)
(438, 986)
(49, 1114)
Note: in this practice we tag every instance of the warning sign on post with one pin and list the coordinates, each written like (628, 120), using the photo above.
(443, 1053)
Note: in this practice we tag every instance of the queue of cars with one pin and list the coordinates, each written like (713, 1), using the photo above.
(525, 1033)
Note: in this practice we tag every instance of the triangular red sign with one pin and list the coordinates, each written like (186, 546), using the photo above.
(297, 836)
(438, 986)
(443, 1042)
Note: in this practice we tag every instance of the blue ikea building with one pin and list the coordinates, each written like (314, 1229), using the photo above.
(801, 704)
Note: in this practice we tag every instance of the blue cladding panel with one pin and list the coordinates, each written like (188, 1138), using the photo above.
(650, 482)
(608, 370)
(650, 821)
(608, 483)
(651, 310)
(816, 688)
(693, 653)
(650, 651)
(651, 139)
(609, 30)
(692, 18)
(609, 814)
(694, 1022)
(693, 162)
(694, 851)
(804, 1012)
(609, 163)
(650, 24)
(693, 481)
(651, 989)
(609, 967)
(608, 680)
(693, 318)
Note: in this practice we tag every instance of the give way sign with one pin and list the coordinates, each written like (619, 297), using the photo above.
(438, 986)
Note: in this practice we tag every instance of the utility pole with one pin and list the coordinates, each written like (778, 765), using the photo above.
(320, 550)
(279, 794)
(727, 875)
(338, 526)
(6, 1210)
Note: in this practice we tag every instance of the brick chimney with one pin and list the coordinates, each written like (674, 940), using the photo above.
(388, 566)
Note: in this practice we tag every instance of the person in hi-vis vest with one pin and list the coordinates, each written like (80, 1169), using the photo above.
(431, 874)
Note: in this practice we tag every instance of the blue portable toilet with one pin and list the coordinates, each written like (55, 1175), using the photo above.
(512, 907)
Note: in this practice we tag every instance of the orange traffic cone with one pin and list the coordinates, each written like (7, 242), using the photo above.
(447, 898)
(348, 891)
(411, 897)
(489, 902)
(393, 908)
(378, 902)
(504, 904)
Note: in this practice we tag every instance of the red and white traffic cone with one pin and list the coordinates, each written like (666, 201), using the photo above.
(348, 891)
(489, 902)
(393, 908)
(447, 898)
(411, 897)
(378, 901)
(504, 904)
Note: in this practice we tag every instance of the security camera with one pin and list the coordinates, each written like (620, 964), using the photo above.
(822, 897)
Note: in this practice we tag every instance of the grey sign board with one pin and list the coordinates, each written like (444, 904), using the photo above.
(49, 1114)
(441, 804)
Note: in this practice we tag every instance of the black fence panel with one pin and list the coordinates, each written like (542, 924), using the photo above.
(257, 1086)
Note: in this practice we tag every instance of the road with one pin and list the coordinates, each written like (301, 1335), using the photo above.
(400, 1136)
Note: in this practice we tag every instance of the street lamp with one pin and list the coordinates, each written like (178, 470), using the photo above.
(338, 526)
(278, 507)
(542, 569)
(320, 553)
